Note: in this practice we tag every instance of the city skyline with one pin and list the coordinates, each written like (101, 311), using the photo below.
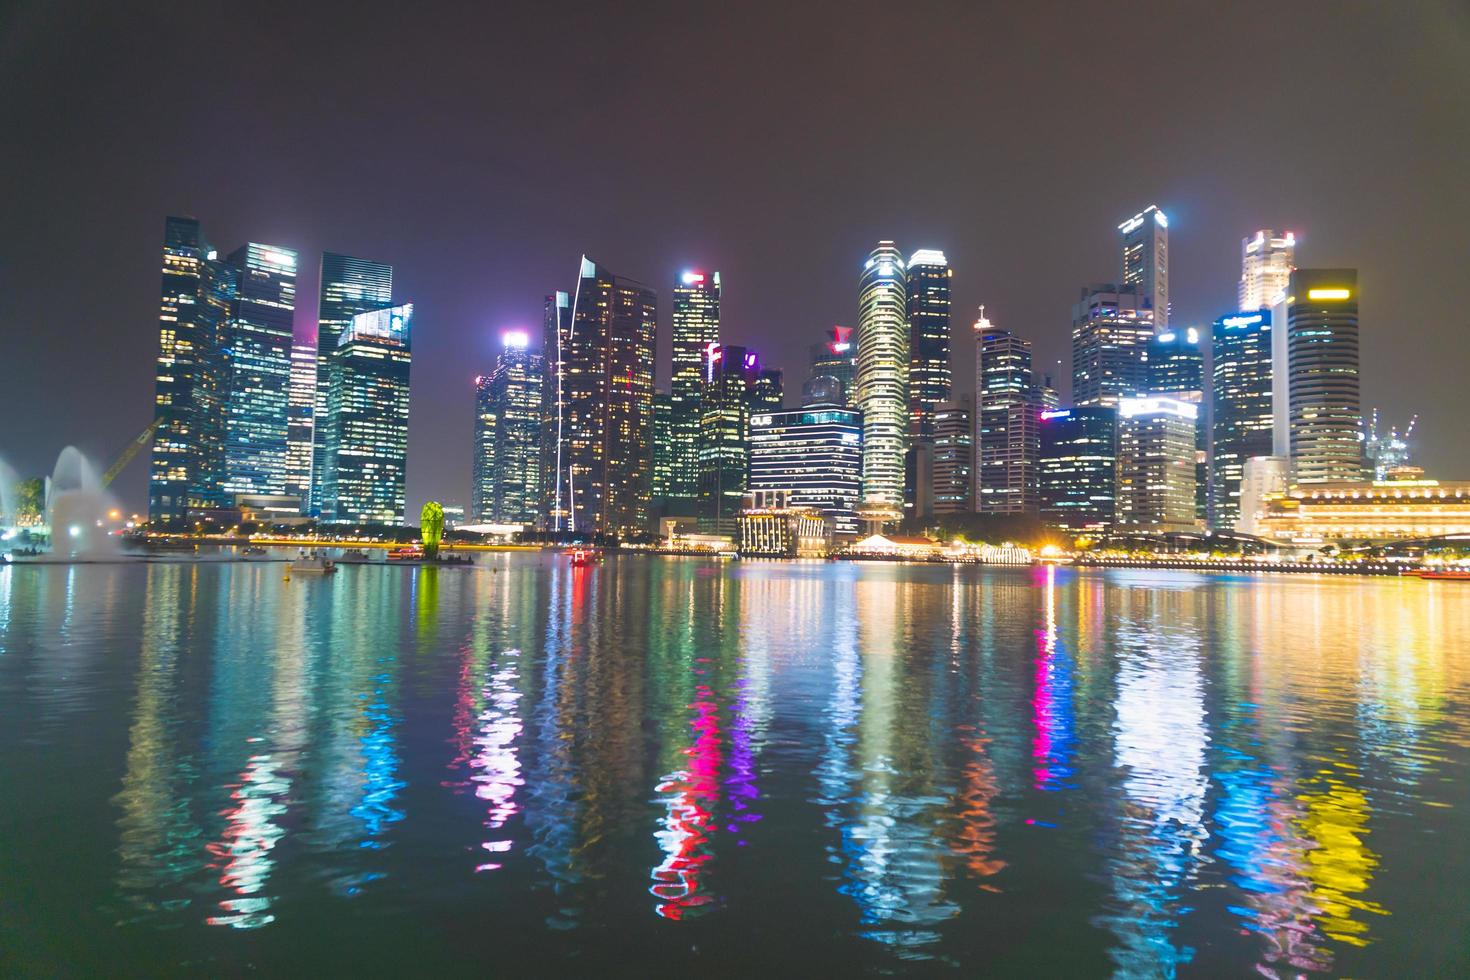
(474, 273)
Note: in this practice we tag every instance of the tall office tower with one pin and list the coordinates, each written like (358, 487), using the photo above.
(1007, 439)
(1265, 267)
(1324, 415)
(732, 386)
(1111, 330)
(1176, 367)
(1050, 400)
(823, 389)
(814, 453)
(257, 346)
(930, 382)
(1078, 472)
(663, 445)
(1156, 459)
(194, 302)
(836, 358)
(507, 474)
(1146, 260)
(1241, 413)
(349, 286)
(367, 419)
(882, 380)
(601, 467)
(556, 321)
(300, 416)
(696, 327)
(954, 457)
(769, 393)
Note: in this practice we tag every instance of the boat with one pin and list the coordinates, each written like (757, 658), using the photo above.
(1442, 574)
(581, 558)
(252, 551)
(406, 553)
(312, 564)
(354, 556)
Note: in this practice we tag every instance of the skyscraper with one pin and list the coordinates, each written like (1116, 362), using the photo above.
(881, 382)
(1265, 267)
(696, 325)
(836, 358)
(954, 457)
(930, 382)
(367, 419)
(349, 286)
(815, 454)
(663, 444)
(195, 299)
(601, 469)
(1111, 331)
(1241, 409)
(1176, 367)
(1007, 439)
(300, 415)
(1146, 260)
(1324, 411)
(1078, 469)
(555, 323)
(1156, 463)
(257, 358)
(507, 477)
(732, 387)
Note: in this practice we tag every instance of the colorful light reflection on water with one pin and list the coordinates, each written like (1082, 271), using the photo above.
(797, 768)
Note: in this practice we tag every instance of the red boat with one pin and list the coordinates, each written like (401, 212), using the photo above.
(1443, 574)
(582, 558)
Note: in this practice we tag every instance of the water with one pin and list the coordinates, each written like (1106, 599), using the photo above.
(791, 769)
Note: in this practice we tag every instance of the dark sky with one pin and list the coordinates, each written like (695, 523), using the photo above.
(481, 148)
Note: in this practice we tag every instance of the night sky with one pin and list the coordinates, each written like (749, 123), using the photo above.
(482, 150)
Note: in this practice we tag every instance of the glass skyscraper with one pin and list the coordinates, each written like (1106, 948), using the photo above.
(600, 465)
(1176, 367)
(816, 455)
(349, 286)
(195, 299)
(300, 413)
(732, 390)
(1111, 331)
(930, 381)
(696, 325)
(1324, 412)
(1007, 439)
(882, 378)
(367, 420)
(835, 358)
(1156, 463)
(257, 357)
(507, 464)
(1146, 260)
(1241, 407)
(1265, 268)
(954, 457)
(1078, 469)
(663, 444)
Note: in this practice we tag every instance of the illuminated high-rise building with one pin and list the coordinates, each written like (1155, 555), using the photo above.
(1176, 367)
(195, 298)
(300, 415)
(1156, 463)
(836, 358)
(1241, 407)
(769, 393)
(348, 286)
(1324, 414)
(1146, 260)
(732, 387)
(507, 466)
(663, 444)
(954, 457)
(599, 468)
(815, 454)
(930, 381)
(367, 420)
(257, 359)
(1007, 424)
(1111, 331)
(696, 325)
(556, 321)
(1078, 472)
(882, 378)
(1265, 267)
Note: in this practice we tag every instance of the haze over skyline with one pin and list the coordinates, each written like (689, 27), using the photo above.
(482, 154)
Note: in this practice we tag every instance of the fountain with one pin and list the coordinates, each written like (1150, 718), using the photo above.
(76, 506)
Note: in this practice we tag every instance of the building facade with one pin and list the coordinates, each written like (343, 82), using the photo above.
(1156, 463)
(507, 466)
(663, 444)
(696, 325)
(367, 420)
(732, 387)
(881, 382)
(815, 456)
(348, 286)
(1241, 411)
(1266, 261)
(1146, 260)
(257, 355)
(1176, 367)
(835, 359)
(1324, 414)
(930, 380)
(1078, 471)
(1007, 435)
(954, 457)
(1111, 331)
(300, 424)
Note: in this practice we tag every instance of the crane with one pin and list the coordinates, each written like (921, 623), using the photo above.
(127, 455)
